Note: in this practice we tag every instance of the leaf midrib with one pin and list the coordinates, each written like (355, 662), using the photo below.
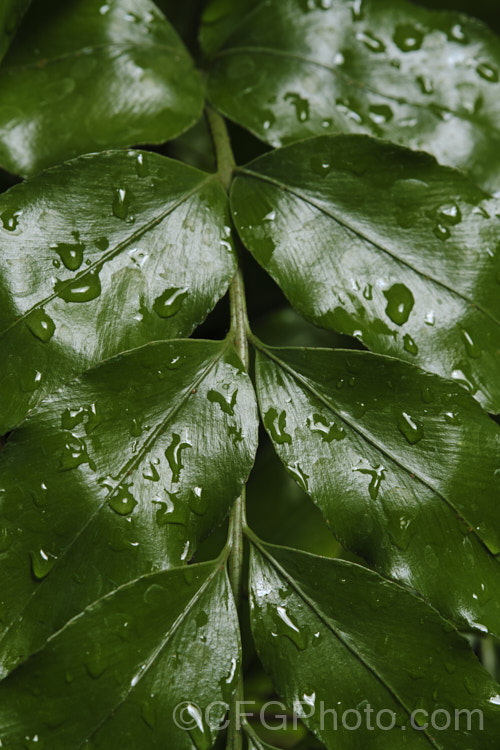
(364, 237)
(114, 251)
(149, 441)
(486, 127)
(371, 440)
(326, 620)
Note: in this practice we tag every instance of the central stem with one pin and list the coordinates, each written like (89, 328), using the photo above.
(239, 327)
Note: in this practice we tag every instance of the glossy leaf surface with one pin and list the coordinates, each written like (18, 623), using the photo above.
(118, 474)
(376, 241)
(89, 75)
(429, 80)
(100, 255)
(404, 465)
(326, 647)
(11, 14)
(115, 674)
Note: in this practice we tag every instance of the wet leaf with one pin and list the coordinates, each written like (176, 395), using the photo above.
(102, 678)
(404, 466)
(382, 243)
(118, 474)
(92, 75)
(367, 653)
(429, 80)
(100, 255)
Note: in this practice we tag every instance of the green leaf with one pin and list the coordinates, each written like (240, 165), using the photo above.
(163, 647)
(89, 75)
(403, 464)
(100, 255)
(382, 243)
(119, 473)
(360, 643)
(295, 68)
(11, 14)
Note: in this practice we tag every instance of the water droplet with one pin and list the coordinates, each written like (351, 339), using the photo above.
(373, 43)
(449, 213)
(408, 38)
(227, 406)
(286, 627)
(73, 454)
(426, 84)
(83, 289)
(426, 394)
(488, 72)
(10, 219)
(170, 301)
(42, 563)
(301, 105)
(328, 430)
(71, 254)
(457, 34)
(141, 165)
(431, 558)
(122, 501)
(470, 685)
(412, 430)
(151, 473)
(299, 475)
(409, 344)
(198, 731)
(276, 425)
(357, 10)
(198, 501)
(40, 324)
(442, 232)
(121, 200)
(96, 662)
(472, 349)
(168, 512)
(400, 302)
(174, 456)
(377, 474)
(380, 114)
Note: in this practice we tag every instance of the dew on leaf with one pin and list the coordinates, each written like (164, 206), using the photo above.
(380, 114)
(400, 302)
(10, 219)
(426, 84)
(377, 475)
(471, 347)
(276, 424)
(299, 475)
(141, 165)
(198, 731)
(198, 501)
(84, 289)
(148, 713)
(327, 430)
(170, 512)
(71, 254)
(174, 456)
(121, 202)
(170, 301)
(300, 105)
(449, 213)
(151, 473)
(286, 627)
(409, 344)
(442, 232)
(373, 43)
(42, 563)
(218, 398)
(122, 501)
(73, 454)
(412, 430)
(408, 38)
(40, 324)
(488, 72)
